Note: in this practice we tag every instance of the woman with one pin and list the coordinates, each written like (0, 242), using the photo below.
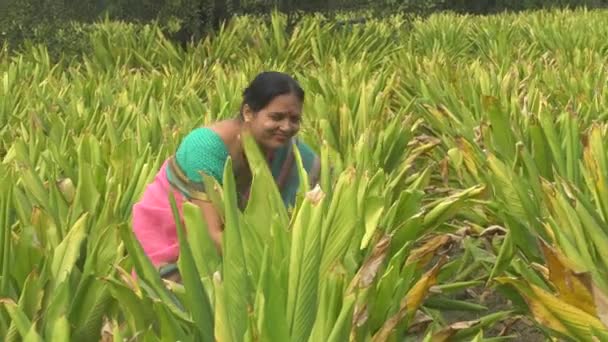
(271, 113)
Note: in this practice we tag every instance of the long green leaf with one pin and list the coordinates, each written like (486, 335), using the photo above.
(304, 266)
(195, 292)
(149, 275)
(68, 251)
(236, 281)
(204, 251)
(18, 316)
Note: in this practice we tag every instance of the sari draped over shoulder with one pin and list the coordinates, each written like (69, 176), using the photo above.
(203, 151)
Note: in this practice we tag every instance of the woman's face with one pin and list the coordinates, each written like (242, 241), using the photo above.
(275, 124)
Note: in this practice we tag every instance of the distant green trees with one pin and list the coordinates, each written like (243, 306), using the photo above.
(50, 21)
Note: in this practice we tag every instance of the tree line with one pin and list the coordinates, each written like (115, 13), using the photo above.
(49, 20)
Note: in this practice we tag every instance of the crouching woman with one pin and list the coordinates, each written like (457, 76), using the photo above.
(271, 112)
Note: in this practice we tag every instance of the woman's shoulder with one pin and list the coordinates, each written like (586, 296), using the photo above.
(205, 138)
(227, 130)
(221, 134)
(202, 149)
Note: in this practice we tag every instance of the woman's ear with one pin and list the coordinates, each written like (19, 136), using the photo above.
(247, 113)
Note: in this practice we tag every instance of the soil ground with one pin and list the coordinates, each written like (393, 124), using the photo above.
(522, 328)
(519, 328)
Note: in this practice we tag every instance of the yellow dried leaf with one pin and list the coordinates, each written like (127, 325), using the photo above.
(537, 308)
(576, 319)
(601, 304)
(419, 323)
(470, 161)
(416, 295)
(412, 301)
(571, 287)
(555, 313)
(446, 333)
(424, 253)
(367, 273)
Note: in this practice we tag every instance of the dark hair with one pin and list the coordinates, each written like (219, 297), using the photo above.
(268, 85)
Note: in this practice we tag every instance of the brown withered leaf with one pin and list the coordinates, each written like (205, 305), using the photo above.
(542, 269)
(445, 171)
(419, 323)
(107, 330)
(430, 248)
(572, 287)
(129, 280)
(446, 333)
(465, 231)
(411, 302)
(493, 230)
(367, 273)
(360, 315)
(553, 312)
(507, 325)
(601, 304)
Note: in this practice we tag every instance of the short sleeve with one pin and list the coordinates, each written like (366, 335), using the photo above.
(202, 150)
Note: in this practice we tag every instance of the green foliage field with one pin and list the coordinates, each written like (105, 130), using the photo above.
(467, 157)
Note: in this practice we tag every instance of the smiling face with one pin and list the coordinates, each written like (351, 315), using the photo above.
(275, 124)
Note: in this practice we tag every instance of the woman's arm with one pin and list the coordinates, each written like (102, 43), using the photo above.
(215, 228)
(214, 222)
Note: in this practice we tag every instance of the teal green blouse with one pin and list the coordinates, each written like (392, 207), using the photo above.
(203, 150)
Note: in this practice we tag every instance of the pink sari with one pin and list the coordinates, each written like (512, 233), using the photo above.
(153, 222)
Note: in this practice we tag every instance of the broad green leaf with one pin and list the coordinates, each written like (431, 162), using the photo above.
(204, 251)
(90, 304)
(410, 304)
(260, 167)
(501, 128)
(222, 321)
(138, 311)
(236, 279)
(147, 272)
(5, 240)
(448, 207)
(56, 305)
(87, 194)
(33, 336)
(329, 307)
(304, 265)
(373, 208)
(30, 301)
(341, 220)
(169, 326)
(22, 323)
(504, 257)
(60, 330)
(446, 304)
(68, 251)
(30, 254)
(343, 323)
(195, 292)
(388, 286)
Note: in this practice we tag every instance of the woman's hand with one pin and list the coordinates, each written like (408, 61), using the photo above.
(175, 277)
(214, 222)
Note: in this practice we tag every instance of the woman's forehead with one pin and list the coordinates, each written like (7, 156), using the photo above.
(285, 104)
